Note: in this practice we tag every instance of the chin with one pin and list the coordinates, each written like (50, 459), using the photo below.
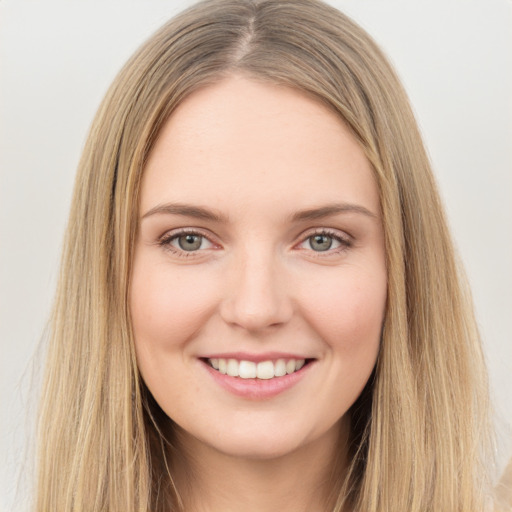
(261, 449)
(260, 442)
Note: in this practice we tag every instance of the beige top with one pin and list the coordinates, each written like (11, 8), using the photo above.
(504, 491)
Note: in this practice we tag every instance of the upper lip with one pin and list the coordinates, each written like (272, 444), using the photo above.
(255, 358)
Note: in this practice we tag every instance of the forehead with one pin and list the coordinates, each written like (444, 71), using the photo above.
(240, 142)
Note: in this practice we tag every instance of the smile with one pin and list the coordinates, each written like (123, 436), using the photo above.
(257, 377)
(264, 370)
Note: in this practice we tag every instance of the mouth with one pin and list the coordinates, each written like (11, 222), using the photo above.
(262, 370)
(257, 377)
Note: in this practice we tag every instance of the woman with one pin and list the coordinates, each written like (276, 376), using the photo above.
(259, 305)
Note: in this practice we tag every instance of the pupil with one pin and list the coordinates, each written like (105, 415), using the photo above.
(321, 242)
(189, 242)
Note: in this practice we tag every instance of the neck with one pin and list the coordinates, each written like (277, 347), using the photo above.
(303, 480)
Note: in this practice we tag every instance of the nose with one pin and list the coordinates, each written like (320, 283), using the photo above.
(257, 294)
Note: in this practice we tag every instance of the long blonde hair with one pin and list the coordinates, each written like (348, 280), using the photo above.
(420, 430)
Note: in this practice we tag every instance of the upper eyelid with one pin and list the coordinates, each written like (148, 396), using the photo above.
(335, 233)
(172, 233)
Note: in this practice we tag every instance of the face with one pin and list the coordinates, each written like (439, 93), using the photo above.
(259, 279)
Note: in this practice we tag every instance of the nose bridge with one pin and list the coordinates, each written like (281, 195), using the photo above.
(257, 293)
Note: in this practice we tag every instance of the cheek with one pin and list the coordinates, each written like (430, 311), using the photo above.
(168, 305)
(344, 309)
(348, 311)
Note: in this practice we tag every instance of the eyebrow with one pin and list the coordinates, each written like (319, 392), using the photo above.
(202, 213)
(332, 209)
(186, 210)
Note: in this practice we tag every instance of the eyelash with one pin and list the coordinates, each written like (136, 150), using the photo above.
(165, 242)
(344, 241)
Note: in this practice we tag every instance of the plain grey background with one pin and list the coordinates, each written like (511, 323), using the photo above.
(57, 59)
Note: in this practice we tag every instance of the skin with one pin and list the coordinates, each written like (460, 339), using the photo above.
(256, 154)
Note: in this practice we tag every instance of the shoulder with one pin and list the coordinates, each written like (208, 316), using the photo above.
(504, 491)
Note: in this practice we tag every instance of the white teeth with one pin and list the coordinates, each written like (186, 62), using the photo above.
(247, 370)
(263, 370)
(232, 369)
(280, 368)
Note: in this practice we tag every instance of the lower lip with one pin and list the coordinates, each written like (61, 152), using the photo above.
(257, 389)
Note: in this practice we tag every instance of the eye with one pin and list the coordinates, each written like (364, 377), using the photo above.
(321, 242)
(189, 242)
(325, 241)
(185, 242)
